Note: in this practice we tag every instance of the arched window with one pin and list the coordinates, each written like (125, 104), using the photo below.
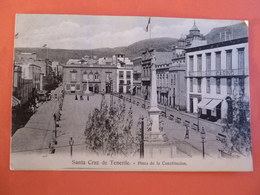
(96, 76)
(90, 76)
(85, 76)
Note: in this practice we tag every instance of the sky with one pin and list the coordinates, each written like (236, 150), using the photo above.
(89, 32)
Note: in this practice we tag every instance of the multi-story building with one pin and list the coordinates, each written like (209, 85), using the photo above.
(31, 71)
(137, 75)
(162, 61)
(124, 77)
(177, 73)
(215, 72)
(98, 76)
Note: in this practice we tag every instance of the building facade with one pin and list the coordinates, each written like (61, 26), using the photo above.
(216, 73)
(137, 76)
(162, 61)
(98, 75)
(177, 80)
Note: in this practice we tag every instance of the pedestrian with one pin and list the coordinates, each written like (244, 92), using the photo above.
(81, 97)
(187, 133)
(76, 97)
(88, 97)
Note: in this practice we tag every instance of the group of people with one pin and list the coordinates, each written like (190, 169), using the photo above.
(81, 97)
(56, 117)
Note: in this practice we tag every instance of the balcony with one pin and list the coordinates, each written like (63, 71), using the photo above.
(219, 73)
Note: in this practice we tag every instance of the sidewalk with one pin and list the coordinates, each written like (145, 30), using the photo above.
(36, 135)
(210, 127)
(175, 130)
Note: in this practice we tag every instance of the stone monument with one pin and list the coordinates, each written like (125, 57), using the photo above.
(156, 141)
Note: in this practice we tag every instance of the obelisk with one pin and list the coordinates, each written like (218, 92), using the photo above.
(154, 111)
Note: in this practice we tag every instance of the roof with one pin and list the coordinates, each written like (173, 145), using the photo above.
(194, 27)
(73, 61)
(225, 33)
(81, 61)
(163, 58)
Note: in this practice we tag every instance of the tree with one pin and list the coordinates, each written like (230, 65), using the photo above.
(238, 130)
(108, 130)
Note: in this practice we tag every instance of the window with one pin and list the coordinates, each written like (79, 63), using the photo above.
(73, 76)
(96, 76)
(128, 74)
(241, 58)
(241, 86)
(218, 86)
(171, 81)
(121, 82)
(78, 87)
(108, 76)
(199, 85)
(229, 85)
(128, 82)
(199, 62)
(85, 77)
(191, 63)
(229, 59)
(121, 74)
(121, 89)
(218, 61)
(191, 85)
(174, 79)
(208, 85)
(208, 63)
(91, 77)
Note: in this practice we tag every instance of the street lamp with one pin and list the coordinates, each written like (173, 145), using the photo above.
(198, 123)
(203, 136)
(142, 138)
(111, 93)
(165, 106)
(71, 143)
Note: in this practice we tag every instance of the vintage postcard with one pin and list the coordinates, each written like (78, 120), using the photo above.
(120, 93)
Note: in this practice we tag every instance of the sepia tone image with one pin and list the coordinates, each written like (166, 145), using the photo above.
(130, 94)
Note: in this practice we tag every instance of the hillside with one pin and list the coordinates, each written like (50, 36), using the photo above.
(131, 51)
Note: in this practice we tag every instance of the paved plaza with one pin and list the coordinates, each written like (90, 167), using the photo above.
(39, 131)
(75, 114)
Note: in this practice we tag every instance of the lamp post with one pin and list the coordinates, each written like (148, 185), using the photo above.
(165, 106)
(71, 143)
(111, 93)
(55, 125)
(203, 136)
(142, 139)
(198, 123)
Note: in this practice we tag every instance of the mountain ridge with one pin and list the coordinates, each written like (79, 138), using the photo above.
(131, 51)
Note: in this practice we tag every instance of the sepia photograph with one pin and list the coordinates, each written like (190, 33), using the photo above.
(127, 93)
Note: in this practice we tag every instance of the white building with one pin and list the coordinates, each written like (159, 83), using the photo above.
(215, 74)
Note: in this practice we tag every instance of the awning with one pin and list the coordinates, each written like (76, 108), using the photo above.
(212, 105)
(15, 101)
(203, 102)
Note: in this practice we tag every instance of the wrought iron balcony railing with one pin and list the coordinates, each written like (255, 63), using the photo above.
(219, 73)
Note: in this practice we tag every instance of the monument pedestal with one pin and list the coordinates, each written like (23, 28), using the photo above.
(159, 150)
